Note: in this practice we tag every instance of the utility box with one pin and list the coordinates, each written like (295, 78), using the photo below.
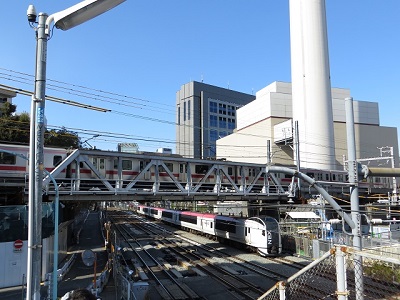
(128, 147)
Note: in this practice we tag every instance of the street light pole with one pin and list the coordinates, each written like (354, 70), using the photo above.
(36, 165)
(66, 19)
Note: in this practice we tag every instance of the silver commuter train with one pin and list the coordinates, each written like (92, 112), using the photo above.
(12, 166)
(260, 233)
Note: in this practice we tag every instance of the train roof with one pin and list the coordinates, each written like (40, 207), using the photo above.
(193, 213)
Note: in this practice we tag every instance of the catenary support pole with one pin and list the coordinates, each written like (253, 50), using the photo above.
(354, 197)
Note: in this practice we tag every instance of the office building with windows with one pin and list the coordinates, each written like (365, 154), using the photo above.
(204, 114)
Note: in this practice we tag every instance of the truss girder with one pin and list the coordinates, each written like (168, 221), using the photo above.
(216, 180)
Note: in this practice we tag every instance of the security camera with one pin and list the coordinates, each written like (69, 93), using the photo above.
(31, 13)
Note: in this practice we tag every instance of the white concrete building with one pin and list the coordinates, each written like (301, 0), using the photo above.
(6, 96)
(269, 118)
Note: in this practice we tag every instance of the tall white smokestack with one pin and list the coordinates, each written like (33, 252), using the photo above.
(311, 87)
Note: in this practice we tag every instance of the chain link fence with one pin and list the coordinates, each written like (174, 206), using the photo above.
(332, 276)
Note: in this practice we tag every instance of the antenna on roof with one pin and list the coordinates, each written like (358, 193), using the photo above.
(202, 79)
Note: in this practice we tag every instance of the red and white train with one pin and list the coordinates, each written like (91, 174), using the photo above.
(257, 233)
(121, 168)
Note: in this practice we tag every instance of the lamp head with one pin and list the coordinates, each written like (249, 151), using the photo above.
(82, 12)
(31, 13)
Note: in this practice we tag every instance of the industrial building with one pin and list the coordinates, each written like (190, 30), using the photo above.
(269, 120)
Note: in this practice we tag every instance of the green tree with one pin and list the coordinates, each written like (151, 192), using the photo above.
(7, 109)
(15, 128)
(61, 138)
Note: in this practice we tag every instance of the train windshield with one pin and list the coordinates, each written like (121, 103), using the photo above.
(271, 224)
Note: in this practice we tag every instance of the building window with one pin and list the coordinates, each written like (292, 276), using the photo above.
(184, 111)
(222, 122)
(179, 115)
(231, 110)
(213, 121)
(231, 124)
(213, 107)
(222, 134)
(188, 110)
(222, 109)
(213, 135)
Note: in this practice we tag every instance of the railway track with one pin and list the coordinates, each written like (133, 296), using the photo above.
(242, 275)
(241, 278)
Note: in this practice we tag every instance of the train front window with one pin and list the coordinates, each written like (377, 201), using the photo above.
(7, 159)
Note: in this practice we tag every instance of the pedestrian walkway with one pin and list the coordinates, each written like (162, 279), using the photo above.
(80, 275)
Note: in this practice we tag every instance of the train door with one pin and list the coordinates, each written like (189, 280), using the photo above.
(182, 172)
(100, 164)
(143, 164)
(247, 233)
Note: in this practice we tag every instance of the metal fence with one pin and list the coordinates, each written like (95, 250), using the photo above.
(332, 276)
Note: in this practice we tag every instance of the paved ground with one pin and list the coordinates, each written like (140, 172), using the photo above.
(80, 275)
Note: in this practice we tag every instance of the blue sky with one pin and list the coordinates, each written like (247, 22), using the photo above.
(134, 58)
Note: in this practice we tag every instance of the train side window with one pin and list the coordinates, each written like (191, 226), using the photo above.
(326, 176)
(7, 159)
(115, 163)
(57, 159)
(201, 169)
(333, 177)
(170, 166)
(127, 165)
(181, 168)
(101, 163)
(263, 232)
(230, 171)
(81, 164)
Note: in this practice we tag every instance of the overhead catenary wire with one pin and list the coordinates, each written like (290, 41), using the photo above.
(137, 103)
